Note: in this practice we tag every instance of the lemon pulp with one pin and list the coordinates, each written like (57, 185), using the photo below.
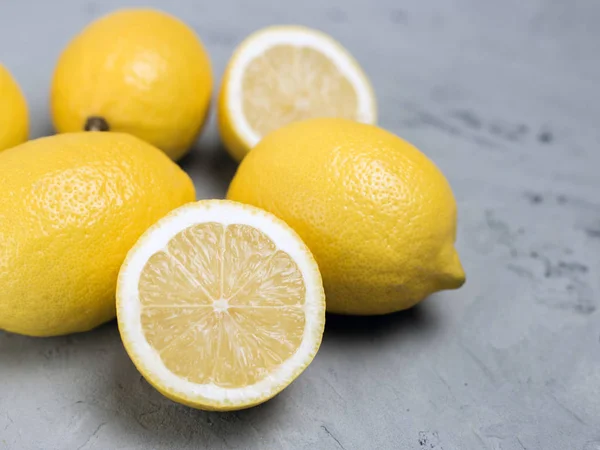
(222, 305)
(290, 83)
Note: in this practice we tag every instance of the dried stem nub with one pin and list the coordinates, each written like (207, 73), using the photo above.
(96, 123)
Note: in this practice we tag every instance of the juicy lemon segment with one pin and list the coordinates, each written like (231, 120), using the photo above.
(220, 314)
(314, 86)
(280, 75)
(218, 276)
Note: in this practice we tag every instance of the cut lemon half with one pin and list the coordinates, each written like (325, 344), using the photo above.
(220, 305)
(284, 74)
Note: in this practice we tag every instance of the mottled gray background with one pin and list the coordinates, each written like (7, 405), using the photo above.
(505, 97)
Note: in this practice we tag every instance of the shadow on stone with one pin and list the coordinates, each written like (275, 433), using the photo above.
(418, 319)
(33, 351)
(142, 409)
(210, 167)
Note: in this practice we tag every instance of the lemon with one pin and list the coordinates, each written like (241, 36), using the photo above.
(71, 206)
(377, 214)
(283, 74)
(139, 71)
(14, 121)
(220, 305)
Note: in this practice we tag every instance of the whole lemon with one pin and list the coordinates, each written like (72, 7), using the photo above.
(71, 207)
(377, 214)
(139, 71)
(14, 121)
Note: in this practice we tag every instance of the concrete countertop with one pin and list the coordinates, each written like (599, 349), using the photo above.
(505, 98)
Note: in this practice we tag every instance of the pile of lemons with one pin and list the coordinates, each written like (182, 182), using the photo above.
(221, 303)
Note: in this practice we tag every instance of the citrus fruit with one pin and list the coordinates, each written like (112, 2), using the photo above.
(71, 206)
(139, 71)
(377, 214)
(220, 305)
(14, 120)
(283, 74)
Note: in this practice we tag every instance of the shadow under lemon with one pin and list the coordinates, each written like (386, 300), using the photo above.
(421, 318)
(210, 167)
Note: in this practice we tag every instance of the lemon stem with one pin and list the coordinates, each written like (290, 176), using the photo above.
(96, 123)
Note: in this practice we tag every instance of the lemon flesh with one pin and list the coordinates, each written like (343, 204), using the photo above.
(249, 299)
(222, 309)
(313, 87)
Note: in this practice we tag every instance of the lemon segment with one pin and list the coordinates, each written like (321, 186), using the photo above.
(314, 86)
(284, 74)
(220, 305)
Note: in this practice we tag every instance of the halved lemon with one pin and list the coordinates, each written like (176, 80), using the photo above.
(220, 305)
(283, 74)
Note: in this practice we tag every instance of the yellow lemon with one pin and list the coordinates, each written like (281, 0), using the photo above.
(220, 305)
(71, 207)
(138, 71)
(283, 74)
(377, 214)
(14, 121)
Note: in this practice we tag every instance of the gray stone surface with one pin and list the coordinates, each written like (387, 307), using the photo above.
(505, 97)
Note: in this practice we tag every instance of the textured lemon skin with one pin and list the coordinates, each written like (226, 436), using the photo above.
(145, 72)
(14, 119)
(207, 404)
(71, 206)
(378, 215)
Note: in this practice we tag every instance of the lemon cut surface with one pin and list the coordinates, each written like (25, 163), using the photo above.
(220, 305)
